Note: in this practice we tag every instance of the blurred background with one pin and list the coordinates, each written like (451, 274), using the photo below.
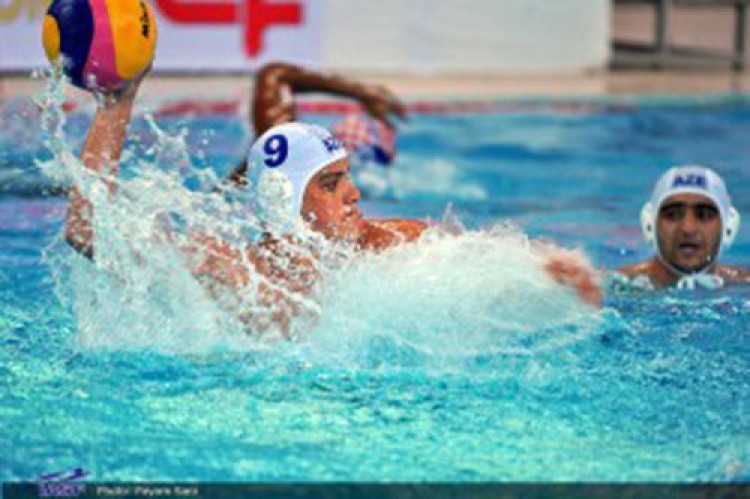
(432, 46)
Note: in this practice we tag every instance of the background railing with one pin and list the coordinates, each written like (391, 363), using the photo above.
(665, 52)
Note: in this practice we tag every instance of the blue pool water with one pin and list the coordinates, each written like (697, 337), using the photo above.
(454, 359)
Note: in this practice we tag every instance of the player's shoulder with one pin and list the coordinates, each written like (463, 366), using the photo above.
(381, 234)
(733, 274)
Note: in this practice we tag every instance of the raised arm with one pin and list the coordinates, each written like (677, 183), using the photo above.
(277, 83)
(100, 154)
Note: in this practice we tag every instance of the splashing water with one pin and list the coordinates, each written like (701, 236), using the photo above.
(454, 358)
(139, 291)
(451, 297)
(447, 296)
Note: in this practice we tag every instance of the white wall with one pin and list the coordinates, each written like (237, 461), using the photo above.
(475, 35)
(479, 36)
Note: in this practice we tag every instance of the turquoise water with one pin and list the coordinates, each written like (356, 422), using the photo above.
(454, 359)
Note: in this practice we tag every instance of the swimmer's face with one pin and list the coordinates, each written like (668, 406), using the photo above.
(689, 231)
(330, 202)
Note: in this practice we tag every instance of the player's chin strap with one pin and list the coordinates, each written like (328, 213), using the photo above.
(700, 278)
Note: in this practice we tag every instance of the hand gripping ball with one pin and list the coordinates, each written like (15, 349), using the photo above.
(101, 44)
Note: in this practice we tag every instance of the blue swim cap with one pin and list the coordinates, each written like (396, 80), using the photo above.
(691, 179)
(281, 162)
(367, 140)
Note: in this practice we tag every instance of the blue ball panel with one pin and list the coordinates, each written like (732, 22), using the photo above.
(76, 22)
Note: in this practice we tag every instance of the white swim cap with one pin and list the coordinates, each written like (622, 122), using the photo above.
(281, 162)
(691, 179)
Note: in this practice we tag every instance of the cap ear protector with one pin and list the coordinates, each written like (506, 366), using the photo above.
(730, 227)
(648, 220)
(274, 199)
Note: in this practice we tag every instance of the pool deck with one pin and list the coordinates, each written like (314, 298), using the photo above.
(461, 87)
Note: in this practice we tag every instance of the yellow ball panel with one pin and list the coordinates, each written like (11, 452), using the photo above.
(134, 35)
(51, 38)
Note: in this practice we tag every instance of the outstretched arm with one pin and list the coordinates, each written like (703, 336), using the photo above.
(570, 270)
(277, 83)
(100, 154)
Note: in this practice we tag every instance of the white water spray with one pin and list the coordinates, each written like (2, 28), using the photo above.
(453, 293)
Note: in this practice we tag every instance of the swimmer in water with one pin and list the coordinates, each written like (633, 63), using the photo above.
(299, 175)
(334, 216)
(688, 222)
(367, 138)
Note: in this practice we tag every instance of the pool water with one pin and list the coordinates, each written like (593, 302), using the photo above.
(454, 359)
